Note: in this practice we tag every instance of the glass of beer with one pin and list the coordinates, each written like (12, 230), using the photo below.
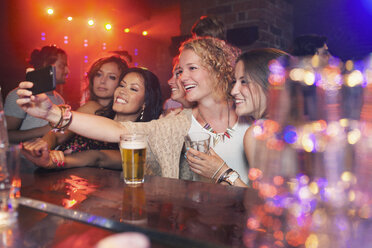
(133, 156)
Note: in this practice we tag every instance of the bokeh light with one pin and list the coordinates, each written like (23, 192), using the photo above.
(309, 78)
(50, 11)
(90, 22)
(354, 136)
(355, 78)
(145, 33)
(126, 30)
(108, 26)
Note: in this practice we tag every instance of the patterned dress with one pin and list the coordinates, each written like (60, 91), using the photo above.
(79, 143)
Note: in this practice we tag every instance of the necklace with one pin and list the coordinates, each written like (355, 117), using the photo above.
(218, 136)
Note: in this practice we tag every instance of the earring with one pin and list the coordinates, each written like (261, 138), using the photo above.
(141, 115)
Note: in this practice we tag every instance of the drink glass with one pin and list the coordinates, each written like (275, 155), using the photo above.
(133, 156)
(10, 184)
(199, 141)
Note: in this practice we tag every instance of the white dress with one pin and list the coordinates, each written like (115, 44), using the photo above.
(231, 150)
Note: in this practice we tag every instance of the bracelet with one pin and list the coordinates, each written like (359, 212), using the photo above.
(224, 175)
(215, 173)
(59, 122)
(65, 120)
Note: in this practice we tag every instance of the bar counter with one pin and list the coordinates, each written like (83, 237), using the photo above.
(78, 207)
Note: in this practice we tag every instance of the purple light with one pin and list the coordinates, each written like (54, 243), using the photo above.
(290, 135)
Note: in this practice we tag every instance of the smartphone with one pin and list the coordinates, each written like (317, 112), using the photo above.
(44, 79)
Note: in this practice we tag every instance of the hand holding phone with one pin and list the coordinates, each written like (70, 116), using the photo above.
(44, 79)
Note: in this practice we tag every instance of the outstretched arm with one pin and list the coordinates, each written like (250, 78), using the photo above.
(56, 138)
(91, 126)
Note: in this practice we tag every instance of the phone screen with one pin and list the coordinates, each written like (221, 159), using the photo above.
(44, 79)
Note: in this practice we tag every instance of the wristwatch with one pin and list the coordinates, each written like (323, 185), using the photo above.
(231, 177)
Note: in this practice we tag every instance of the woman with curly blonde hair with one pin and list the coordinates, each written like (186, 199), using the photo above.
(206, 69)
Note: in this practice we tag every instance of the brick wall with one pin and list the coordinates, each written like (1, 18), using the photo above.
(272, 18)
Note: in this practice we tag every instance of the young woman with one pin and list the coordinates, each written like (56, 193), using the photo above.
(206, 70)
(137, 98)
(177, 98)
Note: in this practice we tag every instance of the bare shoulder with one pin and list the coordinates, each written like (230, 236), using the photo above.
(249, 134)
(89, 107)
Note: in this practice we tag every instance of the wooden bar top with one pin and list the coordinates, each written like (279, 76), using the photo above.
(201, 212)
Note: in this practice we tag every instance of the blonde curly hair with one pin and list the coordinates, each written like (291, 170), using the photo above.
(219, 59)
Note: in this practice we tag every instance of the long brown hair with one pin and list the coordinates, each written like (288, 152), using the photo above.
(256, 70)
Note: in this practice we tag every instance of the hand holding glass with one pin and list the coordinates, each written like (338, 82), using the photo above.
(199, 141)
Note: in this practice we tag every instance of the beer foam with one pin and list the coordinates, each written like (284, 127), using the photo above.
(133, 144)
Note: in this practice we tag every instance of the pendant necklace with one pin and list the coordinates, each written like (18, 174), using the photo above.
(218, 136)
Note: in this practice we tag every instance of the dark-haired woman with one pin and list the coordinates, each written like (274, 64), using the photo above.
(22, 126)
(103, 78)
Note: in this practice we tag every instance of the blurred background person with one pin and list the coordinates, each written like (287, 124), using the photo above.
(311, 50)
(21, 126)
(209, 26)
(310, 45)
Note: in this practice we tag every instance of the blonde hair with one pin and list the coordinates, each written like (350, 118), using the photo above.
(219, 59)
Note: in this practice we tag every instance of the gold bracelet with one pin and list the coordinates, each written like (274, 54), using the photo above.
(215, 173)
(66, 118)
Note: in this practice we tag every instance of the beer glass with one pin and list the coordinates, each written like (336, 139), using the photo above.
(133, 156)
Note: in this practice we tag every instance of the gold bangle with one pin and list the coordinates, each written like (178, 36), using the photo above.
(219, 168)
(66, 118)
